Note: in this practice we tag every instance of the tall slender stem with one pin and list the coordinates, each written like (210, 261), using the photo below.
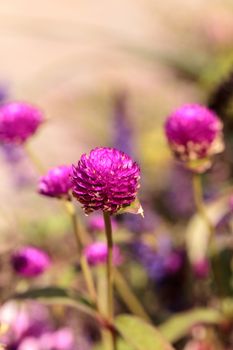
(110, 280)
(198, 198)
(108, 230)
(83, 261)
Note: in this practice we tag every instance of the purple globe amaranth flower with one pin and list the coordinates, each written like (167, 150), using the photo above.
(96, 254)
(106, 179)
(57, 182)
(194, 134)
(18, 121)
(96, 223)
(30, 261)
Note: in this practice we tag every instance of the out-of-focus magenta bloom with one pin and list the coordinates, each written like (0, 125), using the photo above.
(194, 133)
(62, 339)
(201, 268)
(18, 121)
(160, 263)
(106, 179)
(174, 262)
(122, 132)
(96, 254)
(196, 344)
(30, 261)
(96, 223)
(56, 183)
(27, 321)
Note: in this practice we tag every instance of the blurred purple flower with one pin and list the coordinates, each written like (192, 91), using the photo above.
(4, 93)
(30, 261)
(96, 254)
(106, 179)
(95, 223)
(29, 343)
(20, 171)
(56, 183)
(139, 224)
(30, 320)
(194, 133)
(13, 154)
(18, 121)
(62, 339)
(178, 197)
(201, 268)
(30, 327)
(122, 129)
(160, 263)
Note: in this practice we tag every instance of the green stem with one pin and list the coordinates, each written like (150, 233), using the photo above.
(198, 199)
(83, 261)
(110, 277)
(108, 230)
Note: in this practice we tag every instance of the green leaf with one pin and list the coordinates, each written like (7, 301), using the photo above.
(134, 208)
(57, 295)
(178, 326)
(140, 334)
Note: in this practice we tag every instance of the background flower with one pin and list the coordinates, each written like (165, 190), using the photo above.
(96, 253)
(30, 261)
(18, 121)
(56, 183)
(194, 132)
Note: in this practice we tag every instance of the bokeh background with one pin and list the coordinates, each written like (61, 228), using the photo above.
(72, 57)
(87, 64)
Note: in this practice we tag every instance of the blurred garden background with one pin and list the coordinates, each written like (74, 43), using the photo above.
(108, 73)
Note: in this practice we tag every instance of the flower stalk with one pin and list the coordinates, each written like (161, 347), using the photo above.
(110, 276)
(108, 231)
(198, 199)
(80, 243)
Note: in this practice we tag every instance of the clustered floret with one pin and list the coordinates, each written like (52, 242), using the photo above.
(106, 179)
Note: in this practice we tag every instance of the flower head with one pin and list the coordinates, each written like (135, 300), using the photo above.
(96, 254)
(56, 183)
(18, 121)
(30, 261)
(194, 133)
(106, 179)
